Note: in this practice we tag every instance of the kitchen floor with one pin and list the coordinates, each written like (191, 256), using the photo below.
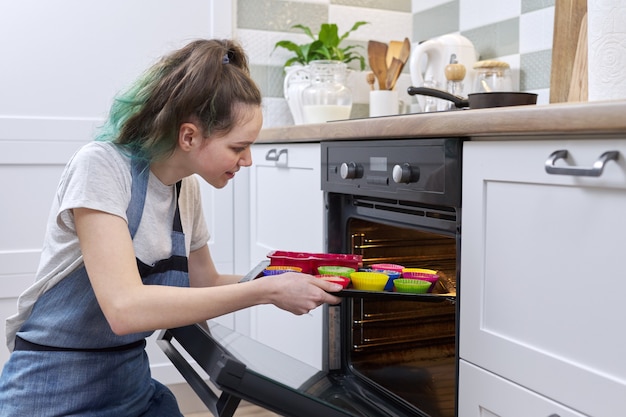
(245, 409)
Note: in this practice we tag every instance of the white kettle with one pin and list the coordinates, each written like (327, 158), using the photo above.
(429, 60)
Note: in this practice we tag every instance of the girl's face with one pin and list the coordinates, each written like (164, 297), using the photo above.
(220, 157)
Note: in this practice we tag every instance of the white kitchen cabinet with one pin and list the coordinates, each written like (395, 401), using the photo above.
(286, 202)
(489, 395)
(543, 273)
(286, 213)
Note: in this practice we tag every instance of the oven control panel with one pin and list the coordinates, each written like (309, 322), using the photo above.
(421, 170)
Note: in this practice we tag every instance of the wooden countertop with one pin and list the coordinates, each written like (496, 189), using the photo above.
(598, 118)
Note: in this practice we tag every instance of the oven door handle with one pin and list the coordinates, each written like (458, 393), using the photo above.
(223, 406)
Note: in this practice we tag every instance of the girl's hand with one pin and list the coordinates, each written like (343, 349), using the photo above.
(300, 293)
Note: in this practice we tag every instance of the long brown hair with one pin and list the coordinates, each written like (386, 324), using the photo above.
(204, 82)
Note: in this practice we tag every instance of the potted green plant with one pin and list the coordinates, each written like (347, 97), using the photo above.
(326, 45)
(325, 48)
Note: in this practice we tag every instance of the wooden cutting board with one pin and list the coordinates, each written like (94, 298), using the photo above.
(578, 88)
(568, 75)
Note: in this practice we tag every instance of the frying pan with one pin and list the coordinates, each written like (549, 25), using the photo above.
(479, 100)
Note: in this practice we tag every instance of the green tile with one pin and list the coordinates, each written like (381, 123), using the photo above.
(395, 5)
(260, 76)
(269, 79)
(279, 15)
(497, 39)
(359, 111)
(435, 22)
(276, 78)
(532, 5)
(535, 70)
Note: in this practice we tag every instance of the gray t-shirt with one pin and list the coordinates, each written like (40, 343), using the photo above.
(98, 177)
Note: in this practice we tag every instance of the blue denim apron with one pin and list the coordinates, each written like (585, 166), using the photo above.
(67, 361)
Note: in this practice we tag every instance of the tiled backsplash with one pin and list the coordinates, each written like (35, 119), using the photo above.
(516, 31)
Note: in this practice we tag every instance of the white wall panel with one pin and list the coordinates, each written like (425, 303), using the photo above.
(69, 57)
(62, 63)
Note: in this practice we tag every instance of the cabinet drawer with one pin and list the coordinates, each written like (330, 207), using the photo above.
(542, 270)
(483, 394)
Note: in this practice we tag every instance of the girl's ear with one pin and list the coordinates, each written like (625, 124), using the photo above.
(188, 136)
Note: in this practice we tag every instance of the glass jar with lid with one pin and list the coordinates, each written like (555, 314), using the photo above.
(492, 76)
(327, 97)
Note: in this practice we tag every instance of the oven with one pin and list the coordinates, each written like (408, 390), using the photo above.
(388, 354)
(398, 202)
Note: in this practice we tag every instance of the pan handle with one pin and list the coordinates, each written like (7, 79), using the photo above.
(458, 101)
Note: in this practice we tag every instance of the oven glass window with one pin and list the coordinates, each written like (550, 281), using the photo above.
(262, 359)
(406, 347)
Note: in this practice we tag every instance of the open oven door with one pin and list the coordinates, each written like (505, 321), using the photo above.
(276, 381)
(243, 368)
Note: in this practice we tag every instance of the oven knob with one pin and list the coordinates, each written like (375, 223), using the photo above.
(405, 173)
(350, 171)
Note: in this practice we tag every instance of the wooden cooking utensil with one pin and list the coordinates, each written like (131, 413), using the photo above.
(393, 73)
(393, 51)
(405, 51)
(371, 79)
(377, 55)
(397, 64)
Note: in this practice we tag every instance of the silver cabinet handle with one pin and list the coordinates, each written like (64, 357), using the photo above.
(594, 171)
(273, 155)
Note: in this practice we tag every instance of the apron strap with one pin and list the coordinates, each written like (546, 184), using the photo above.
(140, 171)
(22, 344)
(178, 225)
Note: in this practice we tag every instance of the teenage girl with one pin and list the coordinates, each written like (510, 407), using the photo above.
(126, 249)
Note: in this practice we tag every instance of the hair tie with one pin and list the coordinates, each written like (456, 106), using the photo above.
(225, 60)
